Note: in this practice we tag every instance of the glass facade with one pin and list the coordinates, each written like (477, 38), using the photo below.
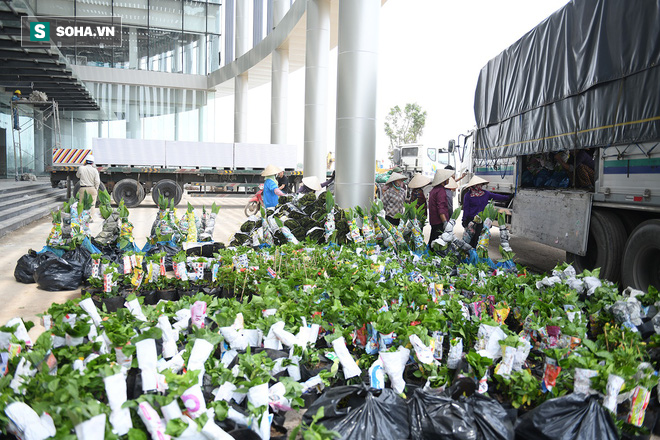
(176, 36)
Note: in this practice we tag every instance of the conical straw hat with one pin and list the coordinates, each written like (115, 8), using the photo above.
(270, 170)
(476, 180)
(441, 176)
(312, 182)
(452, 185)
(419, 181)
(396, 176)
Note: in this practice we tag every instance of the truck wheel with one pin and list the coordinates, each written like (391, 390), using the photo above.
(607, 237)
(169, 189)
(640, 267)
(76, 188)
(128, 190)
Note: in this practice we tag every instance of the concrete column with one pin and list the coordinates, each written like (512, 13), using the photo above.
(357, 75)
(99, 129)
(317, 52)
(241, 81)
(240, 107)
(200, 122)
(133, 123)
(39, 144)
(279, 82)
(132, 48)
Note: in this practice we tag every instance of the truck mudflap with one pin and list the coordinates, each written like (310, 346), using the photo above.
(557, 218)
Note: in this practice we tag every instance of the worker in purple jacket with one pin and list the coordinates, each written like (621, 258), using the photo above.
(476, 198)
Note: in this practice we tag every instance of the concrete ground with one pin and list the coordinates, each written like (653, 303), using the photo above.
(26, 300)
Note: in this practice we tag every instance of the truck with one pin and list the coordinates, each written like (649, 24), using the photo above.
(586, 79)
(132, 168)
(416, 158)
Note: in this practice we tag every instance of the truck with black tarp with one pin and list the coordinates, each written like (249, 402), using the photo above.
(583, 84)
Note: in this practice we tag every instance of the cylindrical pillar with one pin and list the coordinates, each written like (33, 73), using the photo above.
(317, 52)
(240, 107)
(241, 81)
(279, 82)
(133, 124)
(357, 75)
(132, 48)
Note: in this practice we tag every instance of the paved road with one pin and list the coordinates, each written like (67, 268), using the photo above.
(26, 300)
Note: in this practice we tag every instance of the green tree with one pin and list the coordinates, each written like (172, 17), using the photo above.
(404, 126)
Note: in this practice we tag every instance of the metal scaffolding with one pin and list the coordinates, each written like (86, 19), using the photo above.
(36, 114)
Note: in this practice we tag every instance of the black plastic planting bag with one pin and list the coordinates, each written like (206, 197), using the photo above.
(572, 417)
(28, 263)
(57, 274)
(468, 418)
(358, 412)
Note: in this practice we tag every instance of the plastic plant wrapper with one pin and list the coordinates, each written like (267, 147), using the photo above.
(136, 309)
(191, 233)
(287, 338)
(522, 351)
(181, 271)
(198, 314)
(551, 370)
(582, 381)
(377, 374)
(394, 363)
(349, 366)
(147, 362)
(21, 333)
(152, 422)
(419, 246)
(120, 418)
(424, 353)
(258, 395)
(293, 370)
(277, 399)
(354, 230)
(92, 429)
(437, 342)
(90, 308)
(169, 337)
(55, 238)
(26, 424)
(639, 401)
(455, 353)
(505, 247)
(484, 239)
(612, 390)
(171, 411)
(505, 366)
(208, 223)
(289, 236)
(214, 432)
(201, 351)
(488, 341)
(261, 424)
(193, 400)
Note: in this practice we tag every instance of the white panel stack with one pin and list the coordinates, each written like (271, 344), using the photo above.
(199, 154)
(129, 152)
(253, 156)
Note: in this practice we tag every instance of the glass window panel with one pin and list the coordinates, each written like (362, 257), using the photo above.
(55, 7)
(135, 12)
(212, 52)
(163, 50)
(94, 56)
(194, 53)
(194, 14)
(166, 14)
(213, 19)
(93, 8)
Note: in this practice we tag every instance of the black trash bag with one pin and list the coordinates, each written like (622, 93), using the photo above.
(476, 417)
(358, 412)
(57, 274)
(80, 257)
(205, 250)
(28, 263)
(169, 250)
(571, 417)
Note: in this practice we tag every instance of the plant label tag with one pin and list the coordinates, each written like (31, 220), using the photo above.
(128, 266)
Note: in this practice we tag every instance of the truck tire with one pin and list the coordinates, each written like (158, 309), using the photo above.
(169, 189)
(606, 242)
(128, 190)
(76, 188)
(641, 267)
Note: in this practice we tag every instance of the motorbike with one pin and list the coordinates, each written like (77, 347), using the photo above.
(255, 203)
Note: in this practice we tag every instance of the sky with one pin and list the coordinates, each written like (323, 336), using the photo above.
(430, 53)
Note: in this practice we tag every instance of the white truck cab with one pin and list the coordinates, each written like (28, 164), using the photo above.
(416, 158)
